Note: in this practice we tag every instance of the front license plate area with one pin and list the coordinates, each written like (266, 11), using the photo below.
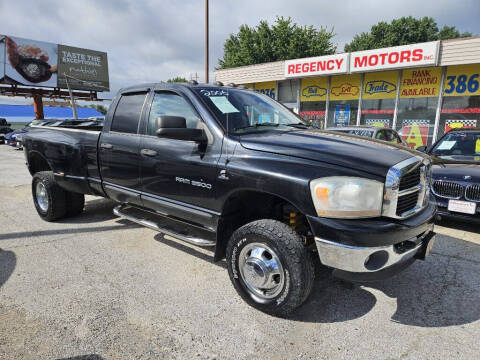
(465, 207)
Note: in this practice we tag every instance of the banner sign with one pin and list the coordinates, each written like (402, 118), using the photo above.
(268, 88)
(314, 89)
(457, 124)
(415, 132)
(320, 65)
(380, 85)
(342, 115)
(462, 80)
(395, 57)
(422, 82)
(37, 63)
(345, 87)
(383, 123)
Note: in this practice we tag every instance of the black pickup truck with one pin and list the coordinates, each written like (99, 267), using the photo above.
(227, 167)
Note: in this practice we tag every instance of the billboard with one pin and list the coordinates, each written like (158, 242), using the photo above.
(37, 63)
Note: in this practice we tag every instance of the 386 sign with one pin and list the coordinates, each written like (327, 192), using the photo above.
(462, 80)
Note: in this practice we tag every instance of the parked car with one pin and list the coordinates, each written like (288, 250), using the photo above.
(370, 131)
(456, 173)
(4, 129)
(15, 138)
(230, 168)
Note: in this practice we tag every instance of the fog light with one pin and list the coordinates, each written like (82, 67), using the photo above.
(376, 260)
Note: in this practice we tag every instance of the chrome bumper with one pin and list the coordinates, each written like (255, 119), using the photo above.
(365, 259)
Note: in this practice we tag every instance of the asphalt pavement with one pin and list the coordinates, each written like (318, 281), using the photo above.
(98, 287)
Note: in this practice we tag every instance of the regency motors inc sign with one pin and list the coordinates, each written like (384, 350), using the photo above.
(415, 55)
(37, 63)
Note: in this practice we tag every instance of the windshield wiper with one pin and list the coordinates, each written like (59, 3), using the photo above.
(299, 125)
(256, 126)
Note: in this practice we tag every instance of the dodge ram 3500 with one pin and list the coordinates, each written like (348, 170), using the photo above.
(227, 167)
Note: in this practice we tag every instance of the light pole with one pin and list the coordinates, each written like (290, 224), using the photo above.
(206, 41)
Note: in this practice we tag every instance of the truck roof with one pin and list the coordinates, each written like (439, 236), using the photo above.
(176, 85)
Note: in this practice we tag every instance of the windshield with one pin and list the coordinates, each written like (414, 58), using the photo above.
(243, 111)
(458, 143)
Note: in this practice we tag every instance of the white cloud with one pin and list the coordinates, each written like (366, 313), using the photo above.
(154, 40)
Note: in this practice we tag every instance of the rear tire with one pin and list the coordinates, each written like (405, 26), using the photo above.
(49, 199)
(75, 203)
(270, 267)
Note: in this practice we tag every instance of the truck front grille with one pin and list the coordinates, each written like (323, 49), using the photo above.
(473, 192)
(448, 189)
(410, 179)
(406, 203)
(407, 188)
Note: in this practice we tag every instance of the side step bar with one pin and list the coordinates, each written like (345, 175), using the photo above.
(120, 211)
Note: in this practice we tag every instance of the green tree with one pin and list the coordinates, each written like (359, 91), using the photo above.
(402, 31)
(281, 41)
(100, 108)
(177, 79)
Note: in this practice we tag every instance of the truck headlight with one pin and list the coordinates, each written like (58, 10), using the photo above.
(347, 197)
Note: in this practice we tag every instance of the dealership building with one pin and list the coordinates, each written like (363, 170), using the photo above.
(421, 90)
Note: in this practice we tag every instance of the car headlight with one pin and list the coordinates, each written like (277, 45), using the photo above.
(347, 197)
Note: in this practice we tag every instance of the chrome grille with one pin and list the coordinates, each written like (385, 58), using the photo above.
(410, 179)
(448, 189)
(406, 203)
(407, 188)
(473, 192)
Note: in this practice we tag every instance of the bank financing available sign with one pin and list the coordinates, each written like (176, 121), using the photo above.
(37, 63)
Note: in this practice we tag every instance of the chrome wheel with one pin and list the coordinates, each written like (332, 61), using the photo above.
(261, 271)
(42, 196)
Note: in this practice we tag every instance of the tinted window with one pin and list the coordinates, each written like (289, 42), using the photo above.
(168, 103)
(127, 113)
(381, 135)
(458, 143)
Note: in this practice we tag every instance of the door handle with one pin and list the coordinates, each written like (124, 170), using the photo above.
(148, 152)
(106, 146)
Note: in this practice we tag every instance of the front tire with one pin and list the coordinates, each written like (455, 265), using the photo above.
(270, 267)
(50, 200)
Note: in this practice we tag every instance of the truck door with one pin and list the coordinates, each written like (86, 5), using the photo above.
(178, 177)
(119, 150)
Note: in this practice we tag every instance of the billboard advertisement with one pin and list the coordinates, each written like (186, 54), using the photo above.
(85, 69)
(37, 63)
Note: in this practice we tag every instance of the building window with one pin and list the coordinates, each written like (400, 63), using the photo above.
(287, 93)
(313, 96)
(344, 95)
(419, 90)
(378, 98)
(461, 102)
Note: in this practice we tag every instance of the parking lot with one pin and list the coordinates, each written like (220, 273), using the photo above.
(97, 287)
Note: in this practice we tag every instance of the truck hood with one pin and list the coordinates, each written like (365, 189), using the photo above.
(456, 167)
(351, 151)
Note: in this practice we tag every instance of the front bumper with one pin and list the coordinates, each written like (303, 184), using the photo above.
(373, 260)
(373, 249)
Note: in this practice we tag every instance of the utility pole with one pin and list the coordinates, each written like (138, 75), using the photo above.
(72, 99)
(206, 41)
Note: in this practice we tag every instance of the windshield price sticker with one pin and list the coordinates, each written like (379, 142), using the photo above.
(222, 103)
(462, 80)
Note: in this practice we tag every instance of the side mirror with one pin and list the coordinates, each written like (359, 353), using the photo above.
(422, 149)
(175, 127)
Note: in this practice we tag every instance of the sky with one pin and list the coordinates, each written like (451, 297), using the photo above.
(154, 40)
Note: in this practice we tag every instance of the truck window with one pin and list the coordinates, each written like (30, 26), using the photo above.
(127, 114)
(168, 103)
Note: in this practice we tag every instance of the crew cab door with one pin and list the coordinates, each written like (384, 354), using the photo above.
(118, 149)
(178, 177)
